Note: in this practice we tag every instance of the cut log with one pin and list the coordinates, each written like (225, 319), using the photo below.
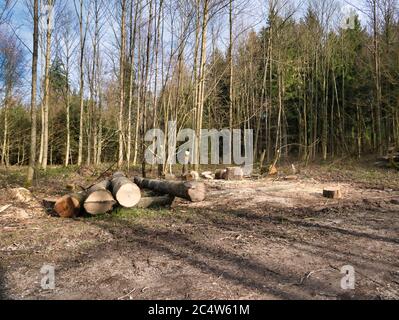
(220, 173)
(291, 178)
(234, 174)
(99, 200)
(332, 193)
(49, 204)
(207, 175)
(70, 206)
(153, 202)
(193, 191)
(191, 176)
(126, 193)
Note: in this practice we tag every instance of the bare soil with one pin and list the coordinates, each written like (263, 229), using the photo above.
(255, 239)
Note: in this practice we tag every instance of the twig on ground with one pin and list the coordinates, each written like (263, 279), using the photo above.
(2, 209)
(127, 295)
(309, 274)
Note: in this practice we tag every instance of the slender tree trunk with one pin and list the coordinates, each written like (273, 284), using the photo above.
(145, 86)
(47, 85)
(377, 79)
(32, 159)
(133, 29)
(122, 82)
(231, 67)
(81, 83)
(68, 120)
(201, 90)
(139, 86)
(6, 125)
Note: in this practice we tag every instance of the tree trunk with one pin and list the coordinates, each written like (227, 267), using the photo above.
(70, 206)
(146, 74)
(6, 125)
(126, 193)
(201, 79)
(122, 83)
(192, 191)
(32, 159)
(133, 31)
(153, 202)
(81, 82)
(99, 199)
(47, 86)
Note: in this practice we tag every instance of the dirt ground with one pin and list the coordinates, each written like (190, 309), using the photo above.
(257, 239)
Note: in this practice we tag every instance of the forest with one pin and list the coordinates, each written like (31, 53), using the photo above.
(311, 80)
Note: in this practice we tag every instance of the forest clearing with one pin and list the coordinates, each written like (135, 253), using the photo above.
(199, 149)
(259, 238)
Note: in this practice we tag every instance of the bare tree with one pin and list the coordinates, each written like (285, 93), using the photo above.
(83, 35)
(32, 159)
(49, 31)
(11, 61)
(122, 80)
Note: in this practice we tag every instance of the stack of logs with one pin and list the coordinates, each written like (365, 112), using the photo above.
(102, 197)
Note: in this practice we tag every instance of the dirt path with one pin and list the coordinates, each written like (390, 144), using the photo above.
(251, 240)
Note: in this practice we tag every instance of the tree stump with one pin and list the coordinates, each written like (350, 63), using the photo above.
(219, 174)
(234, 174)
(191, 176)
(332, 193)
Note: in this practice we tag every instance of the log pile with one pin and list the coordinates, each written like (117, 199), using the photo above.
(102, 197)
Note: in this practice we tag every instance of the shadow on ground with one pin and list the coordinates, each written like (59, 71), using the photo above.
(3, 295)
(258, 253)
(196, 247)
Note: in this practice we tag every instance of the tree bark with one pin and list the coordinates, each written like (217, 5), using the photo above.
(47, 85)
(192, 191)
(32, 159)
(81, 82)
(151, 202)
(122, 82)
(70, 206)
